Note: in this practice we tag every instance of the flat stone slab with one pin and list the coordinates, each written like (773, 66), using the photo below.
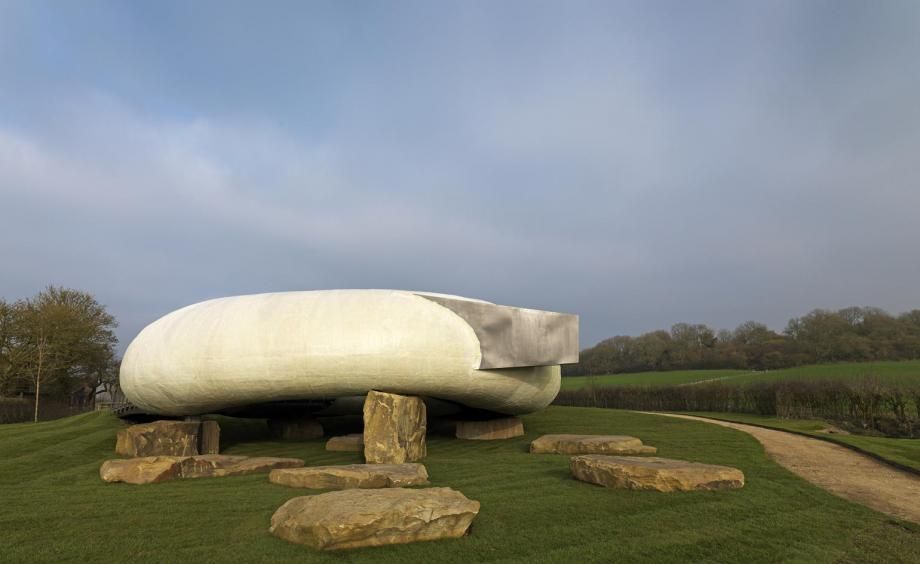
(360, 517)
(216, 465)
(351, 476)
(590, 444)
(145, 470)
(654, 473)
(490, 429)
(346, 443)
(152, 469)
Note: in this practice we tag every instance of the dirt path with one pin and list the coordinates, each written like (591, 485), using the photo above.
(841, 471)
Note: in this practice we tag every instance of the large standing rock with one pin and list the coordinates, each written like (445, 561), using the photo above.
(346, 443)
(147, 470)
(352, 476)
(589, 444)
(160, 438)
(151, 469)
(208, 465)
(209, 438)
(394, 428)
(356, 518)
(490, 429)
(653, 473)
(303, 429)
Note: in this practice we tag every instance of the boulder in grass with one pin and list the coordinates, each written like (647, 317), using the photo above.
(159, 438)
(654, 473)
(490, 429)
(357, 518)
(394, 428)
(589, 444)
(348, 476)
(346, 443)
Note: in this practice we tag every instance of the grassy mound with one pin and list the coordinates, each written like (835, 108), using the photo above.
(55, 507)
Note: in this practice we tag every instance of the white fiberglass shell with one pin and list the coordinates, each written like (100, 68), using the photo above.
(246, 350)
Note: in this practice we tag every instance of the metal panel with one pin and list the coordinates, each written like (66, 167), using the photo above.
(511, 337)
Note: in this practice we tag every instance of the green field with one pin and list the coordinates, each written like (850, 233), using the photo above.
(901, 451)
(669, 378)
(56, 509)
(891, 371)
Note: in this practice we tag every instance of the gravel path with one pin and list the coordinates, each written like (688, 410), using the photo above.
(839, 470)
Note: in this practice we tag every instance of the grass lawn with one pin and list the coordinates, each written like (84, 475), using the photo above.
(56, 509)
(907, 372)
(901, 451)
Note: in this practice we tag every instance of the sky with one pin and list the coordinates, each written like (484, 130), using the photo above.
(637, 163)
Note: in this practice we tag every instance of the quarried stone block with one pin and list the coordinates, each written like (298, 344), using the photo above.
(303, 429)
(160, 438)
(394, 428)
(346, 443)
(490, 429)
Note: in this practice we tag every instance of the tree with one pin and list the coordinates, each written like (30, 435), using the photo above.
(62, 335)
(852, 333)
(107, 380)
(692, 344)
(6, 344)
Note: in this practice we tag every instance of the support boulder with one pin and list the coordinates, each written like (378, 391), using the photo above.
(160, 438)
(346, 443)
(209, 438)
(305, 429)
(394, 428)
(490, 429)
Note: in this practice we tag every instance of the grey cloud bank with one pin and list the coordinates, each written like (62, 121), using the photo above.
(638, 164)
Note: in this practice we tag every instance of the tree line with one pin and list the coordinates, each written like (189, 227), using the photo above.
(849, 334)
(57, 344)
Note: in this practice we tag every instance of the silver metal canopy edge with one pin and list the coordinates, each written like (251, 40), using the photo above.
(514, 337)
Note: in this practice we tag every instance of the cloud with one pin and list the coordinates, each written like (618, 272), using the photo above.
(636, 165)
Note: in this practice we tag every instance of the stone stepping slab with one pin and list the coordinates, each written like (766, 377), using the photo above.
(654, 473)
(590, 444)
(361, 517)
(346, 443)
(153, 469)
(351, 476)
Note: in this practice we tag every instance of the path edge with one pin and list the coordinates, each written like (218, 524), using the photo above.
(827, 439)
